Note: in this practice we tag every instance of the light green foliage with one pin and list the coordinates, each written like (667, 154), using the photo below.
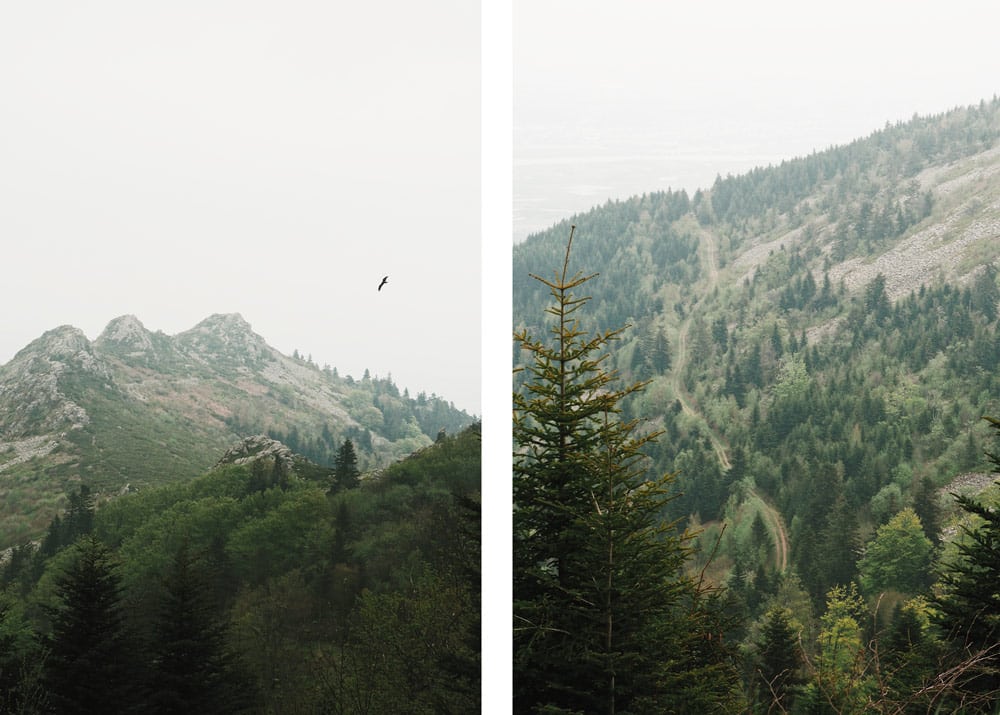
(793, 379)
(839, 671)
(277, 539)
(366, 413)
(887, 502)
(44, 595)
(898, 558)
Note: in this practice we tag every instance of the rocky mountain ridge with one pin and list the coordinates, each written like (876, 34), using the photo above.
(141, 407)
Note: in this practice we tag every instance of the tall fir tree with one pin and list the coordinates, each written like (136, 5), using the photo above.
(79, 519)
(777, 663)
(926, 507)
(91, 663)
(193, 671)
(604, 619)
(345, 468)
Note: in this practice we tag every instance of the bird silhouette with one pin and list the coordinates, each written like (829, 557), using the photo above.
(385, 279)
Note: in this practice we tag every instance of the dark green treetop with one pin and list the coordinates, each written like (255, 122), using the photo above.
(90, 667)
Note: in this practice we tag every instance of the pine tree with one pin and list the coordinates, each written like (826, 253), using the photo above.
(661, 352)
(79, 519)
(345, 468)
(604, 619)
(89, 667)
(192, 670)
(777, 661)
(840, 542)
(926, 508)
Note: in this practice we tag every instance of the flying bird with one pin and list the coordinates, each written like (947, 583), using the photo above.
(385, 279)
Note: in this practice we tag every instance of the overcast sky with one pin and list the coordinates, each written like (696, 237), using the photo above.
(174, 160)
(615, 98)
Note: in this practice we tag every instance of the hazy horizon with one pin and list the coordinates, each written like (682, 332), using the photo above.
(612, 101)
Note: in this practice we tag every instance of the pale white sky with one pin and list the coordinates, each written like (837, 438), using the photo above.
(174, 160)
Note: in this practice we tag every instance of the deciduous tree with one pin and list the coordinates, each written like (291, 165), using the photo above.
(898, 558)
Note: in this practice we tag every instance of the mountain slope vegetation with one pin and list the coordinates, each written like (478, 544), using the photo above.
(820, 341)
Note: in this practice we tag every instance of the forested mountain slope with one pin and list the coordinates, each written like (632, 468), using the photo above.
(267, 584)
(136, 408)
(814, 347)
(820, 336)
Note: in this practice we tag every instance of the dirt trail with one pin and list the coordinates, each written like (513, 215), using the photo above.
(775, 523)
(710, 261)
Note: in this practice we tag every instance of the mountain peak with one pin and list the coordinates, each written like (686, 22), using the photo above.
(225, 321)
(231, 326)
(31, 384)
(59, 348)
(59, 343)
(127, 331)
(227, 336)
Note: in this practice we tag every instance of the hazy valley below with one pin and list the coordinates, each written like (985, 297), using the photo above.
(564, 170)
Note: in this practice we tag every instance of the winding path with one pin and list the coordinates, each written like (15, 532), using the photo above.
(775, 523)
(710, 260)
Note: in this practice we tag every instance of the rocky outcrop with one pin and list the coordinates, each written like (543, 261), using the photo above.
(970, 483)
(258, 447)
(920, 258)
(20, 451)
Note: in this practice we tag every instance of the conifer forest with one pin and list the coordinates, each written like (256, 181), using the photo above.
(757, 438)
